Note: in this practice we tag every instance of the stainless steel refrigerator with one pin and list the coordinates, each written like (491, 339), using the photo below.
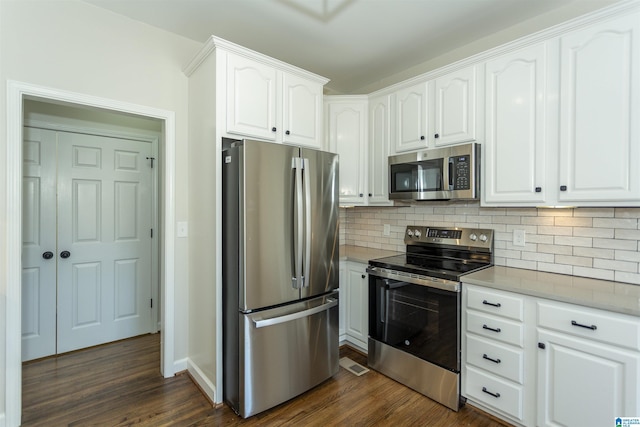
(280, 272)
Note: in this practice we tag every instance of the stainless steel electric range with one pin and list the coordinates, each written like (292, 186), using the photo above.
(414, 308)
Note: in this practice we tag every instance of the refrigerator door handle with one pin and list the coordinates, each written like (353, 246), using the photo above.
(307, 223)
(261, 323)
(296, 280)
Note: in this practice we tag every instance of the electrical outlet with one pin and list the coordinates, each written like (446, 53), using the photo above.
(518, 238)
(387, 230)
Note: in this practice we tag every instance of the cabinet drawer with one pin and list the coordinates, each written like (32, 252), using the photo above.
(495, 302)
(495, 358)
(611, 328)
(495, 328)
(494, 392)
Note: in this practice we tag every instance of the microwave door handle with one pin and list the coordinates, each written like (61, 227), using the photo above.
(450, 173)
(306, 274)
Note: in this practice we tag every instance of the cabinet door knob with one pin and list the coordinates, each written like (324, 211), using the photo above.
(563, 188)
(360, 195)
(422, 137)
(538, 189)
(370, 194)
(273, 129)
(288, 133)
(437, 135)
(47, 255)
(65, 254)
(363, 276)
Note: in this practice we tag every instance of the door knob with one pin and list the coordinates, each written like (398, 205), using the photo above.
(47, 255)
(65, 254)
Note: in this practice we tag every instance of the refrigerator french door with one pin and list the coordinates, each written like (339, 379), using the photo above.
(280, 272)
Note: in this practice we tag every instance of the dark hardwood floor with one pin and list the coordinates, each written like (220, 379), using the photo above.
(119, 384)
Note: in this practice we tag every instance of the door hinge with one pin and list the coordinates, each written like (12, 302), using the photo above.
(152, 233)
(152, 159)
(151, 302)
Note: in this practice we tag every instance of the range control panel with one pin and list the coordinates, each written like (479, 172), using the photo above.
(476, 237)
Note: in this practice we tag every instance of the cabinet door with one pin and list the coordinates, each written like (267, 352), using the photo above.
(251, 98)
(599, 110)
(379, 138)
(302, 116)
(347, 137)
(455, 109)
(357, 326)
(585, 384)
(411, 118)
(514, 151)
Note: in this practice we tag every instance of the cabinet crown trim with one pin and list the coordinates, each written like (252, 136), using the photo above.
(214, 43)
(623, 7)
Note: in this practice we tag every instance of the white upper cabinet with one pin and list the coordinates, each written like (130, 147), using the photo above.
(599, 110)
(455, 107)
(251, 98)
(562, 124)
(302, 119)
(347, 117)
(515, 141)
(379, 141)
(411, 118)
(276, 105)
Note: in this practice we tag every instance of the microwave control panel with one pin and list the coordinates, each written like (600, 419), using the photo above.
(460, 167)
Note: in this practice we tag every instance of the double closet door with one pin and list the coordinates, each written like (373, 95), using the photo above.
(86, 251)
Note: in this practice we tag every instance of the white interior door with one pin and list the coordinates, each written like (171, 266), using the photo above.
(102, 224)
(38, 243)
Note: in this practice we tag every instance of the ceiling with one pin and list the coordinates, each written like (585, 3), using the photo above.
(358, 44)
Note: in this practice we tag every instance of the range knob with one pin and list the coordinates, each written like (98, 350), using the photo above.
(409, 233)
(473, 237)
(483, 237)
(417, 233)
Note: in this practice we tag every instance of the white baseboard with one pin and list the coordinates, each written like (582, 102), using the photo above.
(201, 379)
(180, 365)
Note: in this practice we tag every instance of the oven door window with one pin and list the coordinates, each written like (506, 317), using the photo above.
(419, 177)
(420, 320)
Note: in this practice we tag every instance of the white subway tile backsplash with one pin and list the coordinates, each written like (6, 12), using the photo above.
(631, 223)
(622, 276)
(556, 231)
(629, 245)
(573, 241)
(601, 243)
(607, 264)
(594, 252)
(574, 260)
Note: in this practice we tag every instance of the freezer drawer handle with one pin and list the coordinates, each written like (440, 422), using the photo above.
(261, 323)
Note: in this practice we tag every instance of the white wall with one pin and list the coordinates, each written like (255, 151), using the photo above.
(73, 46)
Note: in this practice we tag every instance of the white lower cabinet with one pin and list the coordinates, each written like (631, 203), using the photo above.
(587, 374)
(354, 294)
(494, 374)
(570, 365)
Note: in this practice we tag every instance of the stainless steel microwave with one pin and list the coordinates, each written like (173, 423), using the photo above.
(437, 174)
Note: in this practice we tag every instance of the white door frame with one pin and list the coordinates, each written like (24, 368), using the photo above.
(16, 92)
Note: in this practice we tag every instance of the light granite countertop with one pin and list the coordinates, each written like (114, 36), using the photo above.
(602, 294)
(362, 254)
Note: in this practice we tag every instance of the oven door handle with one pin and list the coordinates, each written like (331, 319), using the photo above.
(430, 282)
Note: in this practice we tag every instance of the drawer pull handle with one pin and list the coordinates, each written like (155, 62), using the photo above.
(484, 356)
(491, 329)
(496, 395)
(592, 327)
(485, 302)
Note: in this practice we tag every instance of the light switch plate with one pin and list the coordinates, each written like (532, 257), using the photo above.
(183, 229)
